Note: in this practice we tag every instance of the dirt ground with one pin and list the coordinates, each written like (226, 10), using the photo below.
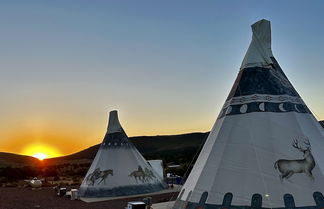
(26, 198)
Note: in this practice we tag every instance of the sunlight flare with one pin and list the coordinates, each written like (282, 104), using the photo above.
(40, 156)
(40, 151)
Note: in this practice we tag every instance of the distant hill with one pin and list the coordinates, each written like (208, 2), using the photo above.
(15, 160)
(150, 146)
(168, 147)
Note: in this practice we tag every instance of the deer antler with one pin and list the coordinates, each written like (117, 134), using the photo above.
(307, 143)
(295, 144)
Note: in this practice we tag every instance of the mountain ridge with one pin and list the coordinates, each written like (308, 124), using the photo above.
(17, 160)
(158, 145)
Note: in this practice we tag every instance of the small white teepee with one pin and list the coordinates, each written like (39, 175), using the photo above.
(265, 142)
(118, 168)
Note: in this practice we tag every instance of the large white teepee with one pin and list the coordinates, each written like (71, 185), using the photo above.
(265, 142)
(118, 168)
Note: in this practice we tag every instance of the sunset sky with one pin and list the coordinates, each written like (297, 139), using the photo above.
(165, 65)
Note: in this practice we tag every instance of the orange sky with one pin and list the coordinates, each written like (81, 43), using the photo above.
(56, 135)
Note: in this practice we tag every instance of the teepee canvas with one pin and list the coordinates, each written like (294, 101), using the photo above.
(266, 148)
(118, 168)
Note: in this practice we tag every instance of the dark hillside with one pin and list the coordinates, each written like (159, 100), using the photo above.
(153, 144)
(14, 160)
(152, 147)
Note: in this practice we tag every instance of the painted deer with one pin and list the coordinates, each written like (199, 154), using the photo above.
(289, 167)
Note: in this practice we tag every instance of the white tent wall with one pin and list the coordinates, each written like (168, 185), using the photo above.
(265, 140)
(244, 165)
(157, 165)
(118, 168)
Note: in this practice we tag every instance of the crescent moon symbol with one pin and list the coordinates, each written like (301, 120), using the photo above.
(281, 107)
(229, 110)
(261, 106)
(296, 108)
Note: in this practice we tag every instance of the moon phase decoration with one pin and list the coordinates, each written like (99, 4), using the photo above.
(243, 108)
(281, 107)
(229, 110)
(261, 106)
(296, 108)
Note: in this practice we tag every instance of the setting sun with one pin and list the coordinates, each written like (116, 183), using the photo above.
(40, 156)
(41, 151)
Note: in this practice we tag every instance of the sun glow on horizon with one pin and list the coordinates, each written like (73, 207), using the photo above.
(40, 151)
(40, 156)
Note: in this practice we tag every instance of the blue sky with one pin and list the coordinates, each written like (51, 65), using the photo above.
(167, 66)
